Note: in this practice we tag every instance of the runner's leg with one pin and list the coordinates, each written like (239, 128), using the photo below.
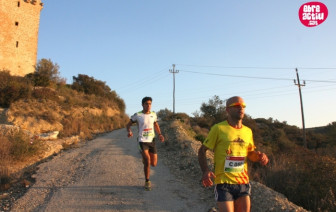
(226, 206)
(242, 204)
(146, 161)
(153, 159)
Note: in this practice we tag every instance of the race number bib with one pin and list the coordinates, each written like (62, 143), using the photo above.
(234, 164)
(147, 133)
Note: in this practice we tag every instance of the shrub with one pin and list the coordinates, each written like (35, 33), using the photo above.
(200, 138)
(45, 93)
(201, 133)
(19, 146)
(13, 88)
(89, 85)
(22, 146)
(164, 114)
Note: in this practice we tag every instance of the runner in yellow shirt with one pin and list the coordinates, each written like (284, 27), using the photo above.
(232, 143)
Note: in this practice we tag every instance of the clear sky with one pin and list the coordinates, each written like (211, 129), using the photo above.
(248, 48)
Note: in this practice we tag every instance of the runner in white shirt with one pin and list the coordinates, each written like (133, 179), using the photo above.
(147, 122)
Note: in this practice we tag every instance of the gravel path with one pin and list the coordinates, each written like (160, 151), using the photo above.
(106, 174)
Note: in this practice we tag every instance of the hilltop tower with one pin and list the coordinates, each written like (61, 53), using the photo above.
(19, 26)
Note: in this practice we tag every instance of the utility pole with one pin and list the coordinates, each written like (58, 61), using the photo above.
(302, 114)
(174, 72)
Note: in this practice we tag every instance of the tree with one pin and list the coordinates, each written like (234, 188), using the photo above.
(46, 73)
(211, 113)
(215, 109)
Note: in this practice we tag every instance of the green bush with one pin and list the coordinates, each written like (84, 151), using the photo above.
(200, 138)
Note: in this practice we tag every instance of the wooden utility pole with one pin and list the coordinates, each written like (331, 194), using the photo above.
(302, 114)
(174, 72)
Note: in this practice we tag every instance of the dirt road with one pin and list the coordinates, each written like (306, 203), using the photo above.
(106, 174)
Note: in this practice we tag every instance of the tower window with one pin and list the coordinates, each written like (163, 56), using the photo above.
(18, 4)
(16, 23)
(17, 44)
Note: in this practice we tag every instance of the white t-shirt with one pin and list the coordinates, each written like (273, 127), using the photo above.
(145, 124)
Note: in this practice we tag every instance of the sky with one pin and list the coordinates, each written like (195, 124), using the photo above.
(249, 48)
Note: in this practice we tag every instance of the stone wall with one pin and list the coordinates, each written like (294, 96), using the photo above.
(19, 28)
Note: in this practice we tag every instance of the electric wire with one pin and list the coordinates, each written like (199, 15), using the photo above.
(252, 77)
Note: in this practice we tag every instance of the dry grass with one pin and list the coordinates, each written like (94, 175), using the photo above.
(15, 148)
(302, 176)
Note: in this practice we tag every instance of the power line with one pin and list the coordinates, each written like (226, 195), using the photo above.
(232, 67)
(252, 77)
(145, 81)
(237, 76)
(254, 67)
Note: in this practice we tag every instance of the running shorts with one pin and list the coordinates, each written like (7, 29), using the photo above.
(150, 146)
(230, 192)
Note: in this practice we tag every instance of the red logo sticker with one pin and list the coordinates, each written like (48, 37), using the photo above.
(312, 14)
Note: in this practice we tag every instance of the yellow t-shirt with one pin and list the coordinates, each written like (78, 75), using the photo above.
(230, 146)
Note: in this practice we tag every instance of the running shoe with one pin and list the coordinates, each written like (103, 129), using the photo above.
(148, 186)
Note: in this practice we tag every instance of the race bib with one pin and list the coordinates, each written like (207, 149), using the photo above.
(147, 133)
(234, 164)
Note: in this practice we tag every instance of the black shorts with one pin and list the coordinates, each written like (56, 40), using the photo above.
(230, 192)
(150, 146)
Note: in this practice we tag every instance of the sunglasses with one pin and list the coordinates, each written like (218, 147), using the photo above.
(237, 104)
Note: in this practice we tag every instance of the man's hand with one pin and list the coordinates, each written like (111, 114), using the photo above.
(207, 178)
(130, 134)
(263, 159)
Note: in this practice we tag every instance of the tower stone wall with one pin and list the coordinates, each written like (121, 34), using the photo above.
(19, 26)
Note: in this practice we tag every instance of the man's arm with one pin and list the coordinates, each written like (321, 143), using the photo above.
(256, 156)
(207, 175)
(158, 130)
(128, 128)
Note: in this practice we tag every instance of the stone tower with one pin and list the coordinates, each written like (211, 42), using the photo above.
(19, 26)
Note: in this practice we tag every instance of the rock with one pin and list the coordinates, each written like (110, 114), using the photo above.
(4, 196)
(49, 135)
(6, 129)
(25, 183)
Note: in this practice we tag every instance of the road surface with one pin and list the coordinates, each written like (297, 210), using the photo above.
(106, 174)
